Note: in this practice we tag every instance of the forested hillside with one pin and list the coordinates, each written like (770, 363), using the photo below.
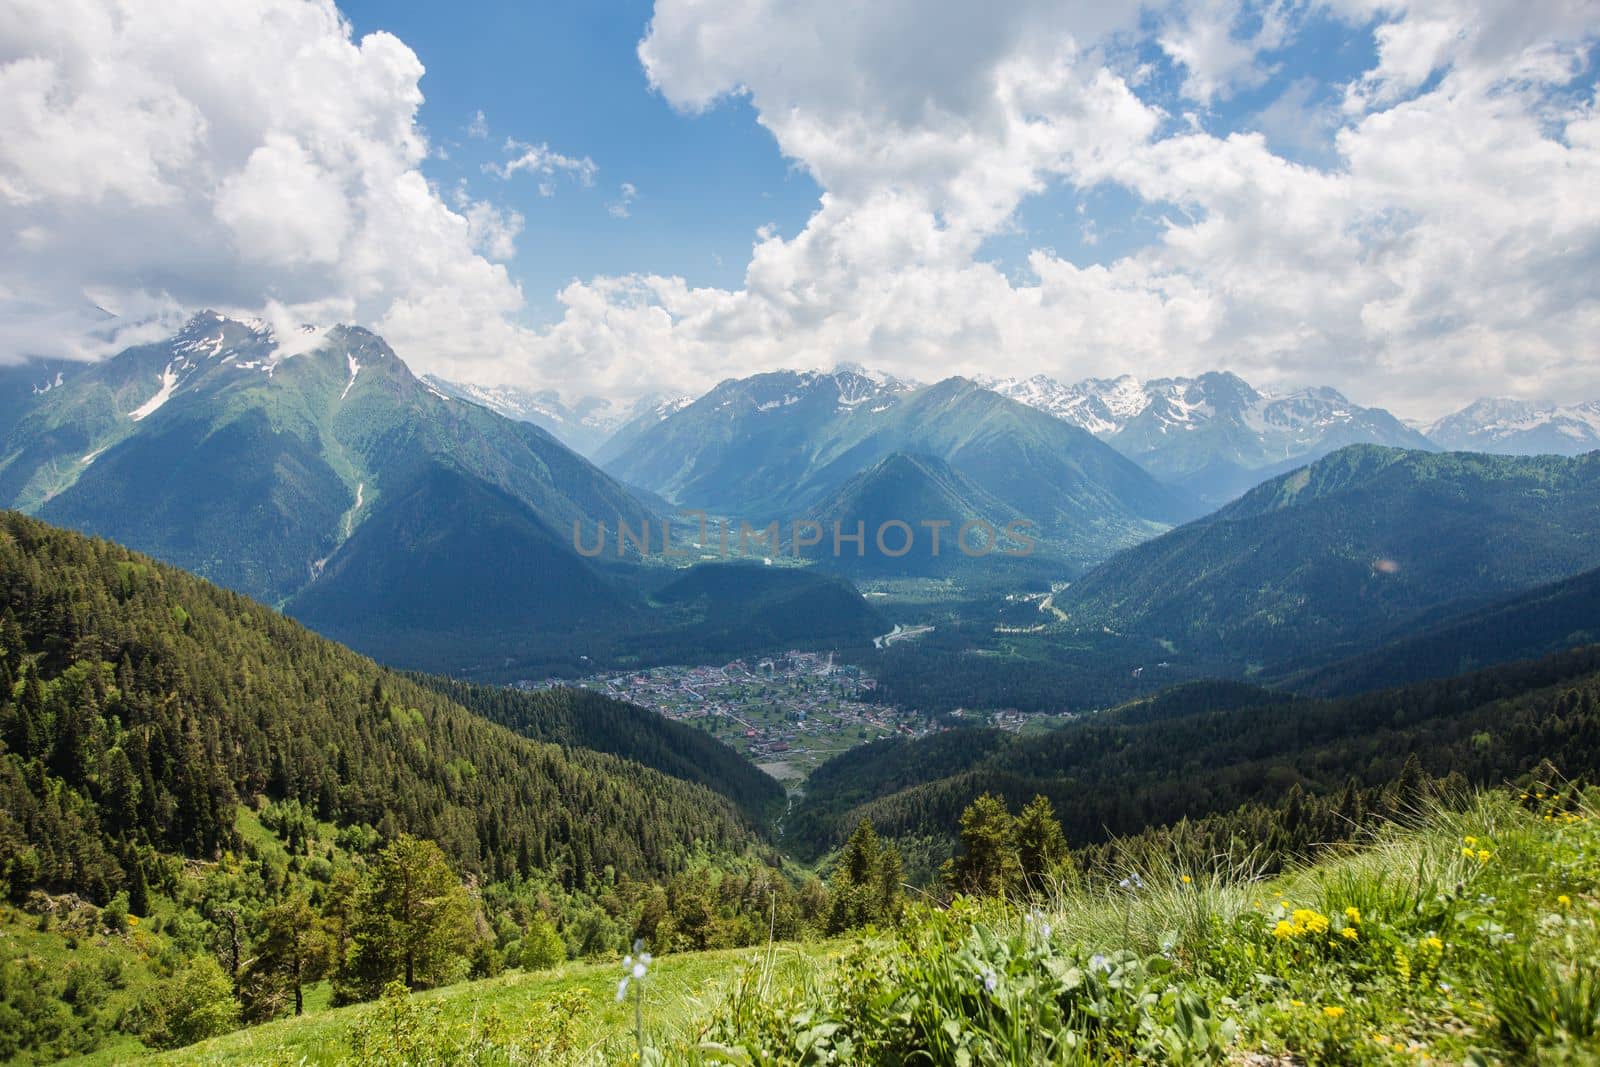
(139, 706)
(1341, 554)
(1271, 773)
(1564, 614)
(577, 718)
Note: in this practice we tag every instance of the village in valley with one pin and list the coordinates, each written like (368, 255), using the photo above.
(787, 713)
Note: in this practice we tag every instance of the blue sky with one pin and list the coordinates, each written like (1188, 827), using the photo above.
(1391, 197)
(567, 74)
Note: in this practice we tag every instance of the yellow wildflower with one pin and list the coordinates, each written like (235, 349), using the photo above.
(1349, 933)
(1353, 914)
(1433, 944)
(1483, 855)
(1471, 842)
(1297, 1003)
(1333, 1011)
(1308, 921)
(1467, 852)
(1284, 930)
(1187, 879)
(1564, 900)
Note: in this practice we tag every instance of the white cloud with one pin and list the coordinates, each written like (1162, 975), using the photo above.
(1203, 37)
(540, 159)
(479, 126)
(186, 154)
(1449, 249)
(622, 206)
(166, 156)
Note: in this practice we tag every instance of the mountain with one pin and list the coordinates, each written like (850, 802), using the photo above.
(903, 488)
(582, 426)
(317, 471)
(142, 707)
(450, 562)
(744, 447)
(1343, 552)
(21, 384)
(778, 446)
(646, 415)
(1561, 615)
(1515, 427)
(1214, 435)
(578, 718)
(770, 608)
(1209, 754)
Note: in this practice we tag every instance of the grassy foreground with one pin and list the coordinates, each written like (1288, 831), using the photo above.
(1469, 938)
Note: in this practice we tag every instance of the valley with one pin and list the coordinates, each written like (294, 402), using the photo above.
(788, 714)
(694, 533)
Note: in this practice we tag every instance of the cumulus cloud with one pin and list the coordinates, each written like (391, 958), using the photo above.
(1445, 245)
(1448, 249)
(160, 157)
(1203, 36)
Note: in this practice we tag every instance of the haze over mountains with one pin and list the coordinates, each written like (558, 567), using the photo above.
(1517, 427)
(1214, 435)
(583, 426)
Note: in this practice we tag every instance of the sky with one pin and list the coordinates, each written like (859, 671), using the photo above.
(1397, 198)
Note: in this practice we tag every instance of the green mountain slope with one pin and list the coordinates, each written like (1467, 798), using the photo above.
(450, 570)
(576, 718)
(777, 445)
(1341, 553)
(1561, 615)
(911, 490)
(261, 464)
(770, 607)
(139, 706)
(1205, 751)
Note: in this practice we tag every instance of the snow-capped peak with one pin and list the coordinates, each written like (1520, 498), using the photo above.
(1503, 424)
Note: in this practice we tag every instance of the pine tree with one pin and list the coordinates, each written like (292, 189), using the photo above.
(865, 886)
(1041, 845)
(987, 864)
(293, 948)
(413, 921)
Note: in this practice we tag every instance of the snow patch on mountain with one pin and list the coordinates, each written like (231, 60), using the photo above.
(355, 368)
(1501, 424)
(169, 383)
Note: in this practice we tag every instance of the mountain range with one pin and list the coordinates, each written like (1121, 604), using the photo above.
(786, 446)
(1214, 435)
(1348, 551)
(583, 425)
(1517, 427)
(318, 474)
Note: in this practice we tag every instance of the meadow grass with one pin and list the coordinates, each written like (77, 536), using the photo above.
(1467, 935)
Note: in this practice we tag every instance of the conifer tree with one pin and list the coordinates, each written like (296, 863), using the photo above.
(988, 864)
